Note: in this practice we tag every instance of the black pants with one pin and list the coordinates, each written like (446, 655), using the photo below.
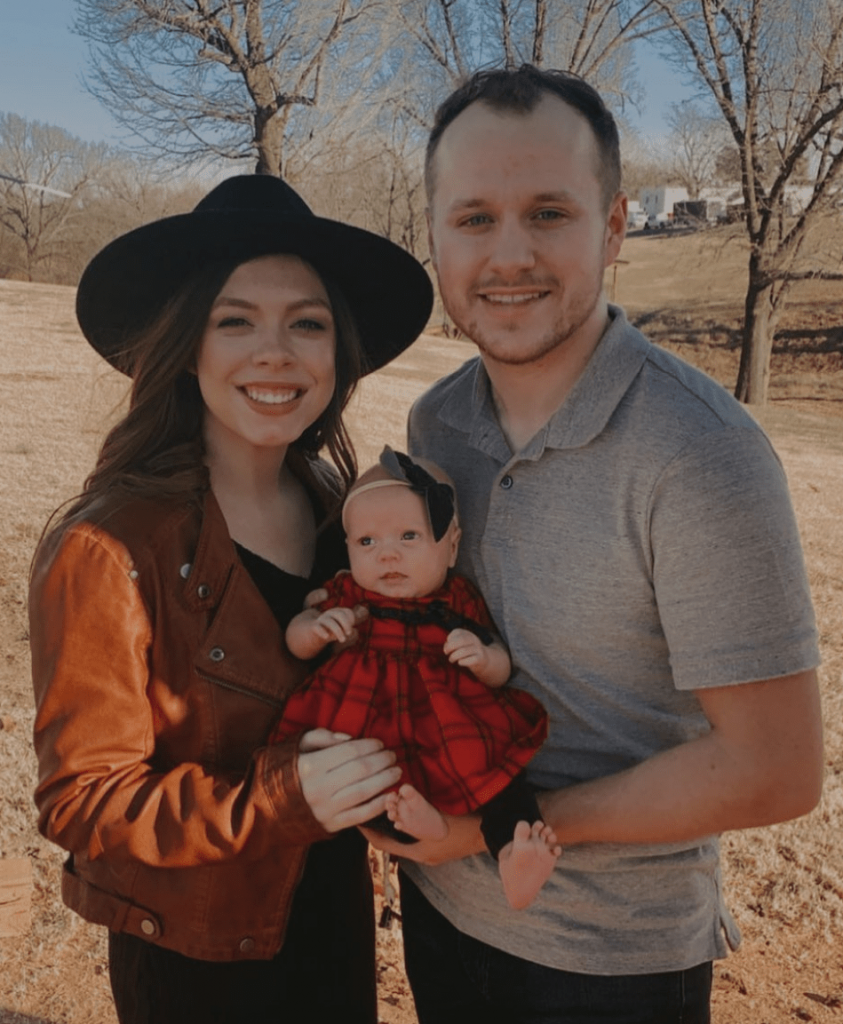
(458, 980)
(324, 972)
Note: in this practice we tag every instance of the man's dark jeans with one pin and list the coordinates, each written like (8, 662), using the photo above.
(458, 980)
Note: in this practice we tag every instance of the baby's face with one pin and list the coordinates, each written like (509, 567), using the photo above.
(391, 546)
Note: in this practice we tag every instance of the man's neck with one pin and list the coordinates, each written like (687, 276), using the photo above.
(526, 396)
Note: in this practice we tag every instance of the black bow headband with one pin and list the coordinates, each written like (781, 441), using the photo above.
(438, 497)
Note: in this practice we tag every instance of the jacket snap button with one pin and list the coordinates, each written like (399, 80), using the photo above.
(216, 654)
(203, 590)
(247, 945)
(147, 926)
(506, 482)
(184, 572)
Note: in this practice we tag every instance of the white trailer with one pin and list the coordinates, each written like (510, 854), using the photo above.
(657, 202)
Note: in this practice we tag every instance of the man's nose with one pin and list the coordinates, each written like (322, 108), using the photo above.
(513, 249)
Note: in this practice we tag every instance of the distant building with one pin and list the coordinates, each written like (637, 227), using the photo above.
(635, 216)
(657, 201)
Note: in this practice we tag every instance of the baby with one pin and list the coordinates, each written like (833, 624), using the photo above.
(424, 673)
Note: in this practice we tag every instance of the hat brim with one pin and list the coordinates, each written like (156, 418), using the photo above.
(127, 284)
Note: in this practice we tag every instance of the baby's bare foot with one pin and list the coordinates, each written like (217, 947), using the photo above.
(527, 862)
(409, 811)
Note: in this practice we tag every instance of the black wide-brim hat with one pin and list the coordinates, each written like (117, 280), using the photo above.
(127, 283)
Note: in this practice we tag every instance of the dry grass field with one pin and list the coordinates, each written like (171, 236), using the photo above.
(785, 884)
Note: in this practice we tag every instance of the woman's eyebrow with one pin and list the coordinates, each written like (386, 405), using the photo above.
(233, 300)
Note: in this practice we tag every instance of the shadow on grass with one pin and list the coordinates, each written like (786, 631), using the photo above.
(697, 329)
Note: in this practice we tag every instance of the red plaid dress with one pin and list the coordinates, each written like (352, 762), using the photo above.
(458, 741)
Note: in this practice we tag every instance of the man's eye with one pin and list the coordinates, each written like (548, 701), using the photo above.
(549, 215)
(476, 220)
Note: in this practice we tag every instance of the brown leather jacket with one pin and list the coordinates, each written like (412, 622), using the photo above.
(158, 669)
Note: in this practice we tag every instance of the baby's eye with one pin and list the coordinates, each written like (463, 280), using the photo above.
(365, 542)
(409, 535)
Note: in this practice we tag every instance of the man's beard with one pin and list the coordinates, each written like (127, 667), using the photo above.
(569, 322)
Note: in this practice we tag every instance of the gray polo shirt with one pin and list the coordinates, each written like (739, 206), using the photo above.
(641, 546)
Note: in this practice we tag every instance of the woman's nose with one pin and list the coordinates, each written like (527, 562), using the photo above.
(274, 347)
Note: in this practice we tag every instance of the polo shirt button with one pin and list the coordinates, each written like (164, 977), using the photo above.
(216, 654)
(147, 926)
(247, 945)
(506, 482)
(203, 590)
(184, 571)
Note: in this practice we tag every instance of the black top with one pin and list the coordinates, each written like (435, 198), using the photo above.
(285, 592)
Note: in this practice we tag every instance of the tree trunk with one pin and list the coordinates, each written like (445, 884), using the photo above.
(760, 319)
(269, 143)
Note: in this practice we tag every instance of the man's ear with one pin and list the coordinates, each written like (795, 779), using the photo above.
(615, 228)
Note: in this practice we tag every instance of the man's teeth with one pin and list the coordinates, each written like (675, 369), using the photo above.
(513, 299)
(271, 397)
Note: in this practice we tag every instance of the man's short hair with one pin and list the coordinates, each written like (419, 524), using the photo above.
(520, 90)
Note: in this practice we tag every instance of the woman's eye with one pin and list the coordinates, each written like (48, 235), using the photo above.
(233, 321)
(306, 324)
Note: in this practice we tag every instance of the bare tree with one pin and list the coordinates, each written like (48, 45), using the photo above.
(775, 71)
(226, 77)
(696, 138)
(590, 37)
(645, 160)
(44, 172)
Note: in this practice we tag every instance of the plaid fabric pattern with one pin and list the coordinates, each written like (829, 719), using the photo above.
(458, 741)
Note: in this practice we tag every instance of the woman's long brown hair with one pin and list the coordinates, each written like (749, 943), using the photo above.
(157, 451)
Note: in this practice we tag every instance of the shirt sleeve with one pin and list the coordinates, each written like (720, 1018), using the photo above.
(102, 789)
(342, 592)
(728, 571)
(466, 600)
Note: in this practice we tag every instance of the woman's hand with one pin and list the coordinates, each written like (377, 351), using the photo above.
(343, 780)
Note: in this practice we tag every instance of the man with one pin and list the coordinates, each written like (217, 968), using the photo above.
(631, 530)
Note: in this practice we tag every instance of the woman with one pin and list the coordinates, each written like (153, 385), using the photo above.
(159, 600)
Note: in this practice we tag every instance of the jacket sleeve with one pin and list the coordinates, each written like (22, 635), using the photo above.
(95, 730)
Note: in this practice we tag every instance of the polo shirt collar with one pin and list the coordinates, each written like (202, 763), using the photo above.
(583, 415)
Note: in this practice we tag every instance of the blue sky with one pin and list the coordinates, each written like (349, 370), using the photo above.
(42, 62)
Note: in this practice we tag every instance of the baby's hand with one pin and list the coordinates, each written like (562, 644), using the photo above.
(466, 649)
(336, 624)
(316, 597)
